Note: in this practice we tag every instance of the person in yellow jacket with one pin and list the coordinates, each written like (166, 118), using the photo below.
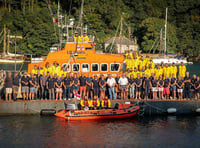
(166, 71)
(62, 72)
(135, 62)
(135, 72)
(142, 63)
(84, 103)
(147, 58)
(77, 38)
(182, 70)
(129, 54)
(129, 62)
(40, 69)
(151, 62)
(158, 71)
(94, 103)
(105, 103)
(143, 72)
(173, 70)
(85, 38)
(47, 68)
(53, 68)
(34, 71)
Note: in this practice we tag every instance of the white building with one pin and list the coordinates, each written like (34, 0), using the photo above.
(126, 44)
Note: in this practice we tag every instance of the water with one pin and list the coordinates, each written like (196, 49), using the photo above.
(50, 131)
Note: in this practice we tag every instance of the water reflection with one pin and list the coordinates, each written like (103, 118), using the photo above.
(159, 131)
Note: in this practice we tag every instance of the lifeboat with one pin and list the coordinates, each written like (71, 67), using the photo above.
(120, 111)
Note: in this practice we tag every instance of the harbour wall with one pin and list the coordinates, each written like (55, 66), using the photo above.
(147, 107)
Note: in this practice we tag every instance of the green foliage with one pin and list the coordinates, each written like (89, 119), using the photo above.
(32, 20)
(152, 27)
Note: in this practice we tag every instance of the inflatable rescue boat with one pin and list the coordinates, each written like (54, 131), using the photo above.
(120, 111)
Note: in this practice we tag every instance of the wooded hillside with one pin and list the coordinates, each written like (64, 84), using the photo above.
(35, 21)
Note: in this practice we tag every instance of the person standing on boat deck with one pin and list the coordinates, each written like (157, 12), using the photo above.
(138, 84)
(173, 70)
(154, 84)
(85, 38)
(105, 103)
(173, 86)
(147, 87)
(89, 86)
(123, 85)
(43, 90)
(95, 86)
(143, 77)
(182, 70)
(76, 85)
(77, 38)
(84, 103)
(161, 86)
(25, 86)
(116, 85)
(82, 87)
(58, 84)
(8, 85)
(67, 83)
(33, 85)
(102, 85)
(193, 80)
(50, 87)
(197, 88)
(179, 85)
(15, 87)
(166, 87)
(111, 87)
(132, 86)
(47, 68)
(187, 82)
(34, 71)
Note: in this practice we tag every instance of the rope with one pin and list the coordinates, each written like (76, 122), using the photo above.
(21, 68)
(157, 108)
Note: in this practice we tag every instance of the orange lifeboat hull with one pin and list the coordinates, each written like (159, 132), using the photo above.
(125, 111)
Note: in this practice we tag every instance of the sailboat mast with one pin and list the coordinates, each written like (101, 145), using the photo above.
(4, 41)
(161, 40)
(121, 36)
(166, 31)
(8, 44)
(81, 17)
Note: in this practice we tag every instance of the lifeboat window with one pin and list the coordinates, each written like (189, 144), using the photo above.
(66, 67)
(114, 67)
(94, 67)
(76, 67)
(85, 67)
(88, 48)
(104, 67)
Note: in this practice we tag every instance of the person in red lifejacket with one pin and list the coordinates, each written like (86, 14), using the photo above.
(94, 103)
(84, 103)
(105, 103)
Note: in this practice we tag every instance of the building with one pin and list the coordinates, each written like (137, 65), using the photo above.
(126, 44)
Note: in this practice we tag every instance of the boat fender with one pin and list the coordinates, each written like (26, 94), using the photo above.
(171, 110)
(198, 110)
(46, 112)
(127, 102)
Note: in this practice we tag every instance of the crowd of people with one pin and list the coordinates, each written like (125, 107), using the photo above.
(142, 80)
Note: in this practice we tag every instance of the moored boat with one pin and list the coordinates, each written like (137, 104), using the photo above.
(120, 111)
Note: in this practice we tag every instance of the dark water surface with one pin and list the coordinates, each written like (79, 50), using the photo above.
(49, 131)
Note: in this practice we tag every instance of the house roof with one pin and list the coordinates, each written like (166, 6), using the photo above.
(124, 41)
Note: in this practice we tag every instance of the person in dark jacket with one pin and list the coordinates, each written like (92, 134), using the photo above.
(8, 86)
